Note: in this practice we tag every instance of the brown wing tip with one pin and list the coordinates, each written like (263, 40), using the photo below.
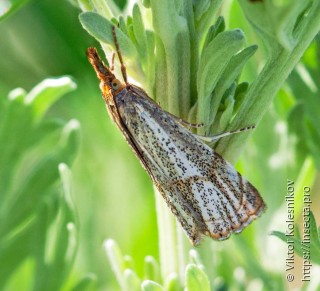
(251, 216)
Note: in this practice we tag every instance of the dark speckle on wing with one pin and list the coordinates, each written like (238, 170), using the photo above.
(206, 194)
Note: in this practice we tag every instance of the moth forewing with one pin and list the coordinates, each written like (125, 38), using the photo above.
(205, 193)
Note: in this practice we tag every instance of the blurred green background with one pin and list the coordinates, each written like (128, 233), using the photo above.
(112, 194)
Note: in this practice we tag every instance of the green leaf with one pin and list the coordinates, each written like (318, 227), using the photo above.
(132, 280)
(30, 188)
(214, 30)
(172, 283)
(228, 111)
(200, 8)
(173, 57)
(87, 283)
(207, 16)
(68, 222)
(290, 17)
(38, 179)
(196, 279)
(260, 94)
(279, 23)
(139, 31)
(214, 59)
(122, 25)
(240, 93)
(101, 29)
(151, 269)
(58, 236)
(229, 75)
(259, 18)
(42, 96)
(151, 69)
(116, 260)
(12, 254)
(151, 286)
(146, 3)
(16, 120)
(194, 257)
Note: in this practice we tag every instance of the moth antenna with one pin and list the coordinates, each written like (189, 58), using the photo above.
(112, 62)
(123, 68)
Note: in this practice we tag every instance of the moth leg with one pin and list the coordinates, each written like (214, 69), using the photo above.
(214, 138)
(185, 123)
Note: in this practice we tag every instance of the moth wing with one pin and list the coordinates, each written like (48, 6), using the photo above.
(218, 204)
(183, 211)
(238, 192)
(205, 193)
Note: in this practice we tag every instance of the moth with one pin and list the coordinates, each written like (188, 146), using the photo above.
(204, 192)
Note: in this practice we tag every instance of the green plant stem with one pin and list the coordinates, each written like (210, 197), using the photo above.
(263, 90)
(175, 78)
(172, 91)
(169, 260)
(183, 251)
